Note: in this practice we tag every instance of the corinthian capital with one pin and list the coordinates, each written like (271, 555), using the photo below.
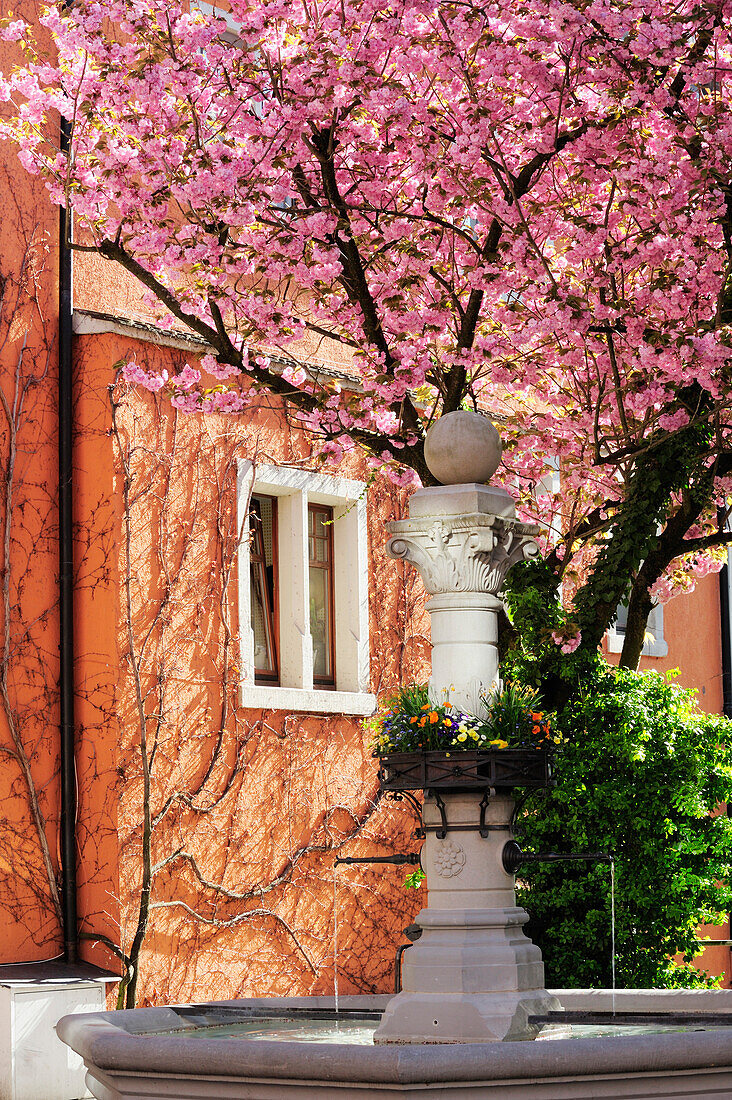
(468, 553)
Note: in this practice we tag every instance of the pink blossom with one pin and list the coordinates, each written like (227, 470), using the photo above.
(149, 380)
(14, 31)
(187, 377)
(295, 375)
(596, 306)
(222, 371)
(566, 644)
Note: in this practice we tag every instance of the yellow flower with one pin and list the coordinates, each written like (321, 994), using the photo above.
(462, 736)
(448, 722)
(474, 734)
(499, 744)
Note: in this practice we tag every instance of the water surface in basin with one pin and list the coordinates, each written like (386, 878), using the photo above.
(361, 1032)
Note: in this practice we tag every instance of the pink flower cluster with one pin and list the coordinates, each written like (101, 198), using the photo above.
(521, 205)
(149, 380)
(567, 644)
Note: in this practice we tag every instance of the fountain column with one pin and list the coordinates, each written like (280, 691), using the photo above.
(473, 976)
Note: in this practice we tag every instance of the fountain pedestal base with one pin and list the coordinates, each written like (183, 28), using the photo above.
(473, 976)
(462, 1018)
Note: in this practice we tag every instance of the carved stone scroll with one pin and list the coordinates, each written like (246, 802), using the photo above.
(469, 553)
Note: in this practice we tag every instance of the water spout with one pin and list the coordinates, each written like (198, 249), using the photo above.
(514, 858)
(335, 933)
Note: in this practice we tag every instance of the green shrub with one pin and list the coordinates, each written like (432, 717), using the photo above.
(641, 775)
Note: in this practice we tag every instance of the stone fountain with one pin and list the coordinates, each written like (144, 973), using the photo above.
(473, 976)
(473, 979)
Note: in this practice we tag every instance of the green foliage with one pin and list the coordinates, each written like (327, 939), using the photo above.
(641, 776)
(535, 611)
(414, 879)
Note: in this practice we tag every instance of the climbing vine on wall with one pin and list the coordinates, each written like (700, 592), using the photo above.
(231, 819)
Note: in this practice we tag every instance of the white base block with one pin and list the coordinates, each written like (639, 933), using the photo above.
(463, 1017)
(472, 977)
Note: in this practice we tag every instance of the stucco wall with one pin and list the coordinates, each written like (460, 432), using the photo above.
(249, 807)
(29, 909)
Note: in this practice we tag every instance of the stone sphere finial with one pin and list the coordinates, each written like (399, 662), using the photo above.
(462, 447)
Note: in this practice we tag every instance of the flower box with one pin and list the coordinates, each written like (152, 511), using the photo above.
(502, 769)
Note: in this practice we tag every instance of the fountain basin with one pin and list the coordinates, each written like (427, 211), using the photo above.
(150, 1053)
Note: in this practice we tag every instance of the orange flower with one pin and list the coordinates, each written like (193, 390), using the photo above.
(427, 706)
(536, 731)
(413, 720)
(422, 721)
(434, 717)
(537, 717)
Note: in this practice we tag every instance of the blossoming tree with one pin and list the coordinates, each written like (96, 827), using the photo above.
(524, 206)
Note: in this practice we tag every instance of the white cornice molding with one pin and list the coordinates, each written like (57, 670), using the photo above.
(89, 322)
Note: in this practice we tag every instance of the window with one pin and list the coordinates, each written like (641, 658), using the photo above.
(303, 591)
(320, 575)
(654, 644)
(546, 493)
(263, 587)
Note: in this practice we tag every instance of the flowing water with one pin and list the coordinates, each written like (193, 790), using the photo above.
(612, 927)
(335, 936)
(335, 944)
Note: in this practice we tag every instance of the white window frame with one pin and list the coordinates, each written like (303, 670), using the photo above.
(294, 490)
(654, 646)
(550, 483)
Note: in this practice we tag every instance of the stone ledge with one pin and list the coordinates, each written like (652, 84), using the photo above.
(294, 700)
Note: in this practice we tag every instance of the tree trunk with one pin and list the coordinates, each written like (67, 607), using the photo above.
(640, 606)
(676, 465)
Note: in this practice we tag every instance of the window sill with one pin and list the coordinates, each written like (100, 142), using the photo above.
(650, 649)
(266, 697)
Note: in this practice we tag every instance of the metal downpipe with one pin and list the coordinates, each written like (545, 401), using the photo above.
(66, 583)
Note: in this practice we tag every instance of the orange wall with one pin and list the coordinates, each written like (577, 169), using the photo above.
(29, 912)
(253, 805)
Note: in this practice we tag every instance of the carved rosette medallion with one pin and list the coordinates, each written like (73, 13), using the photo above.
(469, 553)
(449, 859)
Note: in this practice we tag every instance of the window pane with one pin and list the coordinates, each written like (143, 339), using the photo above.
(263, 655)
(321, 592)
(622, 620)
(321, 526)
(320, 625)
(262, 518)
